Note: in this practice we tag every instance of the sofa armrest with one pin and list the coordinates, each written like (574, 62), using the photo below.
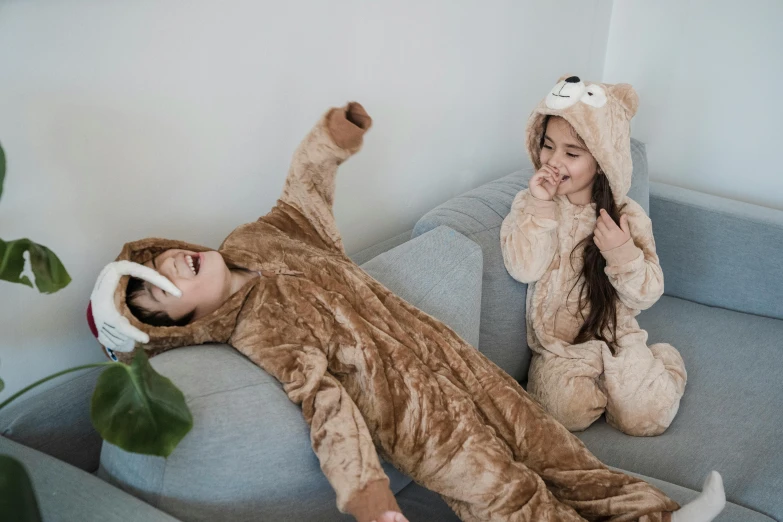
(377, 249)
(65, 493)
(718, 251)
(57, 422)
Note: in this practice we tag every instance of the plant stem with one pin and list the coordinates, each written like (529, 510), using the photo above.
(53, 376)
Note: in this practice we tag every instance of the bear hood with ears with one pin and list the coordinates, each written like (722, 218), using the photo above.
(601, 114)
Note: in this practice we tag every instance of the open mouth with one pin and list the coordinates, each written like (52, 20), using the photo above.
(194, 262)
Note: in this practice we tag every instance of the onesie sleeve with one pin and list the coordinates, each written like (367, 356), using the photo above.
(338, 432)
(304, 210)
(633, 267)
(528, 237)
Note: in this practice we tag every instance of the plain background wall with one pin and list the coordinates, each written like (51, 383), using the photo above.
(709, 75)
(123, 120)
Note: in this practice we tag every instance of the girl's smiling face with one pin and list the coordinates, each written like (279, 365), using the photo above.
(562, 149)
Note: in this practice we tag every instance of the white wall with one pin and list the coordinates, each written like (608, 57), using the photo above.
(709, 76)
(123, 120)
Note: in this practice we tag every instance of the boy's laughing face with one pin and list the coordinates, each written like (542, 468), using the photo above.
(203, 277)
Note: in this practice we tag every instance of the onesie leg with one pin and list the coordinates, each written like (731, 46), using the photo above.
(483, 482)
(643, 385)
(543, 446)
(568, 388)
(454, 452)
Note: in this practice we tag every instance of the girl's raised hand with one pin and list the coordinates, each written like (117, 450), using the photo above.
(544, 183)
(608, 234)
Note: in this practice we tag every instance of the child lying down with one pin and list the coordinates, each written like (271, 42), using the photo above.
(372, 373)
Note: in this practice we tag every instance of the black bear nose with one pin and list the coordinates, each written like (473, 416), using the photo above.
(572, 79)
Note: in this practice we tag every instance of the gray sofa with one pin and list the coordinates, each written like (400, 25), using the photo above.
(248, 456)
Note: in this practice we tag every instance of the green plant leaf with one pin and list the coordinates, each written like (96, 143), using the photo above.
(17, 499)
(2, 170)
(50, 274)
(12, 262)
(2, 385)
(139, 410)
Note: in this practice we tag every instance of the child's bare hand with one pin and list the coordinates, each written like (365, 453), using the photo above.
(608, 234)
(544, 183)
(391, 516)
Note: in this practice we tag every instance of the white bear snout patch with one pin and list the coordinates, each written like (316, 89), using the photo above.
(572, 90)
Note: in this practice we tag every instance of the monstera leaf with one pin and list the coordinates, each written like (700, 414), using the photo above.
(50, 274)
(133, 406)
(17, 499)
(139, 410)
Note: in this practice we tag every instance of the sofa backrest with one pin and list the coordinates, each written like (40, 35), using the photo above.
(718, 251)
(478, 215)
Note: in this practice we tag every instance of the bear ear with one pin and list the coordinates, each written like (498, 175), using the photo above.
(627, 97)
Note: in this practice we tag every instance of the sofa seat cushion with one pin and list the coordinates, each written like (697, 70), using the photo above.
(730, 416)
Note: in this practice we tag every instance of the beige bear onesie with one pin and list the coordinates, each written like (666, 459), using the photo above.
(638, 387)
(374, 374)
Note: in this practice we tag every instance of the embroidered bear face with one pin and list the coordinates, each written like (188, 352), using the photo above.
(573, 90)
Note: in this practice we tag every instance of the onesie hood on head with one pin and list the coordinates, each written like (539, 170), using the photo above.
(215, 327)
(601, 114)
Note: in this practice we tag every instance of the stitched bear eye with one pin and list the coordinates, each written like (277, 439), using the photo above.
(594, 96)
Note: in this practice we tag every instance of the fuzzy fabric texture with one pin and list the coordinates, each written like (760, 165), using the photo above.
(639, 387)
(373, 374)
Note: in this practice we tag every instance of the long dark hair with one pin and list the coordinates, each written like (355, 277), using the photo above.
(596, 292)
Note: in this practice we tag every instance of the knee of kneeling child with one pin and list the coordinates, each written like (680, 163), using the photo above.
(578, 410)
(580, 420)
(574, 401)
